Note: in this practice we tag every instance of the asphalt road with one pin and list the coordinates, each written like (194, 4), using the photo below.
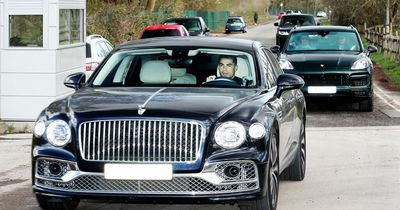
(349, 165)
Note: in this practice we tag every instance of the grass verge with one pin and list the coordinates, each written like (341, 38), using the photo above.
(389, 65)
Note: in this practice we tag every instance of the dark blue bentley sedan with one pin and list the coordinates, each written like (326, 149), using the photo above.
(191, 120)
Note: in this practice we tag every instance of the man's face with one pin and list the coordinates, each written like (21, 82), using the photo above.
(227, 68)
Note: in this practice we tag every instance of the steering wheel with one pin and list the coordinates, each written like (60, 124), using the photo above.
(222, 81)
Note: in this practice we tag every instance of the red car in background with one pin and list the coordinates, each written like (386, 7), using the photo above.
(280, 15)
(164, 30)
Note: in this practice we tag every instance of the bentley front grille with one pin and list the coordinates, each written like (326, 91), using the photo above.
(140, 140)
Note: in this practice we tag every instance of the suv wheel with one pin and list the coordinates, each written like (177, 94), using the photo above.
(366, 105)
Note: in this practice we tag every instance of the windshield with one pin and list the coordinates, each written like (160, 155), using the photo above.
(291, 21)
(160, 33)
(178, 67)
(234, 20)
(192, 25)
(323, 41)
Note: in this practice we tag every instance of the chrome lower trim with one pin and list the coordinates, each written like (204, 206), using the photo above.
(211, 180)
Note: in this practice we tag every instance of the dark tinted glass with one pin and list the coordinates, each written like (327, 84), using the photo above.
(159, 33)
(88, 51)
(297, 21)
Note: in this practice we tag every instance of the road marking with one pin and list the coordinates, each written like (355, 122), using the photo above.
(385, 100)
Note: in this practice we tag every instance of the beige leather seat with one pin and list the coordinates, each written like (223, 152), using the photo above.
(155, 72)
(179, 76)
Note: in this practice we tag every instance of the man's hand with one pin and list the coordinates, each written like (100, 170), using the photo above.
(211, 78)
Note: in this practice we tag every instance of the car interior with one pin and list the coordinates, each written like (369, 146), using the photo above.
(170, 68)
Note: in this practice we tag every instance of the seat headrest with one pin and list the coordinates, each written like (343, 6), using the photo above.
(178, 72)
(155, 72)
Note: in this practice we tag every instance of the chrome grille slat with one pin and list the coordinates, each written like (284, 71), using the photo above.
(140, 140)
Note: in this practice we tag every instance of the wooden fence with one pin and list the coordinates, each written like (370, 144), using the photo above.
(385, 41)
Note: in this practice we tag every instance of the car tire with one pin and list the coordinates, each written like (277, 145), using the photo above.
(366, 105)
(270, 201)
(277, 42)
(227, 32)
(297, 170)
(48, 203)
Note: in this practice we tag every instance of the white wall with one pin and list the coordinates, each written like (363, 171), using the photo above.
(31, 78)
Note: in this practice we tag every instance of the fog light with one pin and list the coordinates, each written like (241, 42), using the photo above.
(55, 169)
(232, 171)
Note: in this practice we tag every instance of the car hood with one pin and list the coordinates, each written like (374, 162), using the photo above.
(191, 103)
(328, 61)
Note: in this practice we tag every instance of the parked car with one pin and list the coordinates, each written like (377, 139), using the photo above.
(149, 126)
(296, 12)
(289, 12)
(332, 62)
(195, 25)
(279, 16)
(235, 24)
(287, 22)
(164, 30)
(321, 14)
(97, 48)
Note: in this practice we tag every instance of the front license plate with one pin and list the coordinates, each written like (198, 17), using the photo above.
(321, 89)
(138, 171)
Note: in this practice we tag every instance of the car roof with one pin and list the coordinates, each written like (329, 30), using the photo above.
(182, 18)
(325, 28)
(163, 26)
(196, 42)
(299, 15)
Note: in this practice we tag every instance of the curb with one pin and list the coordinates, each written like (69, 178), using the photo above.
(16, 136)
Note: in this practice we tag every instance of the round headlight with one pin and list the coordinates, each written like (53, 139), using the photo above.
(39, 129)
(230, 135)
(58, 133)
(257, 131)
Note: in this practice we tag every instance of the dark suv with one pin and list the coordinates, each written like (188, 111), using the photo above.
(287, 22)
(333, 63)
(195, 25)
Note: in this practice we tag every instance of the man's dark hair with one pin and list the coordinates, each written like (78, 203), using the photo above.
(233, 58)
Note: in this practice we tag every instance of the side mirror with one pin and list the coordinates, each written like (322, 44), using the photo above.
(288, 82)
(275, 49)
(207, 30)
(75, 80)
(319, 23)
(276, 24)
(371, 49)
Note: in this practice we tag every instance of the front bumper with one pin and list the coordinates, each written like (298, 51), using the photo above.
(347, 85)
(234, 28)
(210, 185)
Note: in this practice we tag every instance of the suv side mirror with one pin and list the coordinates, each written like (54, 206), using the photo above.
(318, 23)
(75, 81)
(207, 30)
(288, 82)
(275, 49)
(276, 24)
(371, 49)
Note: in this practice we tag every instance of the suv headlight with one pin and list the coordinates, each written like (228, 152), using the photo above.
(58, 133)
(230, 135)
(360, 64)
(283, 33)
(285, 64)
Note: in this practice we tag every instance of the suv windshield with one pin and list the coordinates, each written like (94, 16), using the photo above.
(192, 25)
(323, 41)
(160, 33)
(291, 21)
(234, 20)
(178, 67)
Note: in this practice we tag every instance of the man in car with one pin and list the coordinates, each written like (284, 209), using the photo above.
(227, 67)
